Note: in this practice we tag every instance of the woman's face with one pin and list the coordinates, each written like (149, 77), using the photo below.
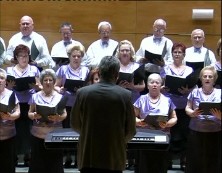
(2, 82)
(178, 55)
(23, 59)
(48, 83)
(96, 78)
(207, 78)
(154, 85)
(75, 58)
(125, 53)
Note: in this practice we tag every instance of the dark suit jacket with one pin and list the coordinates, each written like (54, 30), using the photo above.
(104, 116)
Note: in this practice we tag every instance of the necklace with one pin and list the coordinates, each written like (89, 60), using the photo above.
(47, 94)
(20, 69)
(207, 92)
(154, 101)
(179, 68)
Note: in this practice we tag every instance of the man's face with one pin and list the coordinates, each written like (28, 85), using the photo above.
(26, 26)
(158, 30)
(197, 39)
(66, 33)
(104, 32)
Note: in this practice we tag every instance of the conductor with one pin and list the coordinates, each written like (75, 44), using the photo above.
(103, 115)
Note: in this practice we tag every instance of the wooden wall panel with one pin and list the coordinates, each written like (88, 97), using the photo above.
(131, 20)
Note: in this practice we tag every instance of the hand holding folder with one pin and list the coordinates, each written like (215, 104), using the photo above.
(125, 77)
(175, 82)
(45, 111)
(153, 58)
(11, 105)
(207, 106)
(138, 75)
(154, 120)
(71, 84)
(23, 83)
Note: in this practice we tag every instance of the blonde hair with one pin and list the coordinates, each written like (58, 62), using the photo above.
(218, 47)
(3, 73)
(132, 50)
(75, 46)
(211, 68)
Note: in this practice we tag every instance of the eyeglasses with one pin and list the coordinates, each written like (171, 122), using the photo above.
(105, 32)
(23, 56)
(25, 23)
(179, 53)
(159, 30)
(48, 81)
(197, 37)
(66, 33)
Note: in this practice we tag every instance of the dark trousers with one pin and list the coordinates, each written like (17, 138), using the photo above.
(204, 152)
(66, 124)
(152, 161)
(45, 160)
(23, 126)
(7, 155)
(94, 170)
(179, 134)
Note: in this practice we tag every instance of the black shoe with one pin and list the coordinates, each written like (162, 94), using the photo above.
(182, 166)
(26, 163)
(130, 167)
(75, 166)
(170, 165)
(68, 164)
(27, 159)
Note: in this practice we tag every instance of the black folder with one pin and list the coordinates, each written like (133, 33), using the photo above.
(34, 51)
(153, 120)
(22, 83)
(61, 60)
(125, 77)
(115, 50)
(195, 65)
(175, 82)
(61, 105)
(45, 111)
(138, 75)
(11, 104)
(206, 106)
(70, 84)
(3, 108)
(151, 57)
(218, 81)
(1, 48)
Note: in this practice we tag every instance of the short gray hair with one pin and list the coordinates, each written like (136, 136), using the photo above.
(197, 30)
(104, 23)
(47, 72)
(155, 76)
(109, 68)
